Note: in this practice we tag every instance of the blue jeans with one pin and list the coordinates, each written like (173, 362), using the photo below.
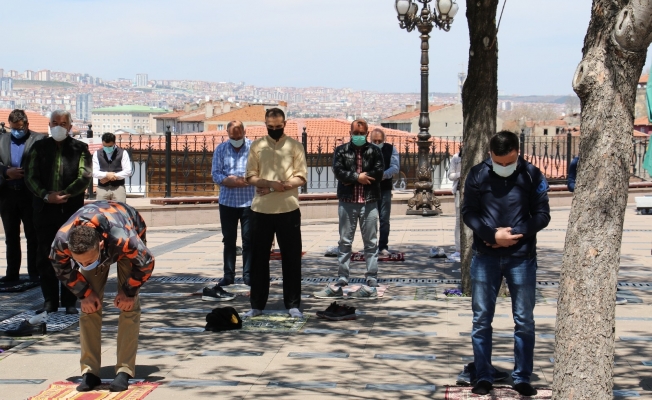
(486, 276)
(367, 215)
(229, 218)
(384, 210)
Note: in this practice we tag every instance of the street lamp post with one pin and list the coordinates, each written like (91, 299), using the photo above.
(424, 201)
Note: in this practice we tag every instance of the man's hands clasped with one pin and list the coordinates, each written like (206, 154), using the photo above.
(504, 238)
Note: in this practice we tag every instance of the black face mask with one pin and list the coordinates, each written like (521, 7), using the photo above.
(275, 133)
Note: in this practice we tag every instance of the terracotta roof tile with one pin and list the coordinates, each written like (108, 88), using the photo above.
(643, 79)
(37, 122)
(414, 114)
(641, 121)
(252, 113)
(640, 134)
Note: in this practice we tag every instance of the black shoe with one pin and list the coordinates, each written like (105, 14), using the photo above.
(500, 376)
(246, 281)
(120, 383)
(49, 308)
(342, 313)
(225, 282)
(9, 279)
(334, 306)
(216, 294)
(72, 310)
(35, 279)
(482, 387)
(27, 329)
(89, 382)
(525, 389)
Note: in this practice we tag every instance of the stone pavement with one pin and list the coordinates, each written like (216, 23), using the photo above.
(409, 344)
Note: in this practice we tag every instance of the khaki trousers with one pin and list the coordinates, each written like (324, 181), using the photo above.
(90, 325)
(115, 193)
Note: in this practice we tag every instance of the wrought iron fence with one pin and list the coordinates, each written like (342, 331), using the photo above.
(190, 161)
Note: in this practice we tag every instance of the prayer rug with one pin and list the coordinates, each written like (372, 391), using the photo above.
(273, 323)
(66, 391)
(276, 255)
(498, 393)
(56, 321)
(19, 286)
(359, 256)
(352, 288)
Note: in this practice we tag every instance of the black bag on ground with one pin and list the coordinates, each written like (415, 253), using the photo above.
(223, 319)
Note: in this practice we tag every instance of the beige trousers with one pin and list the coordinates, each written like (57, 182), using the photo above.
(116, 193)
(90, 325)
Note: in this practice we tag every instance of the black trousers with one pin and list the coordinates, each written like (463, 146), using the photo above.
(16, 207)
(287, 227)
(47, 221)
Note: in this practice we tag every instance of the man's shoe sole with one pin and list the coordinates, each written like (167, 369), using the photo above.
(362, 298)
(209, 298)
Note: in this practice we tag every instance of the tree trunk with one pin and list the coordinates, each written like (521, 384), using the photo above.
(479, 104)
(614, 54)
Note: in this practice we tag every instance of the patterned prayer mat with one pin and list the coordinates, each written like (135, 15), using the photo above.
(273, 323)
(381, 289)
(56, 321)
(19, 286)
(66, 391)
(359, 256)
(498, 393)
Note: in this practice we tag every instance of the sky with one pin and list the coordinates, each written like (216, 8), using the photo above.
(332, 43)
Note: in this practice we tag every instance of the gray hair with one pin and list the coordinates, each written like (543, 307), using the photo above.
(378, 130)
(60, 113)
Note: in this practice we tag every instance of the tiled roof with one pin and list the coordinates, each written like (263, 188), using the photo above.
(556, 122)
(643, 79)
(193, 116)
(641, 121)
(640, 134)
(252, 113)
(414, 114)
(37, 122)
(171, 115)
(323, 134)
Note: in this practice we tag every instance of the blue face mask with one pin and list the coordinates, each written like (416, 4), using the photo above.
(18, 133)
(109, 150)
(93, 265)
(379, 145)
(359, 140)
(504, 172)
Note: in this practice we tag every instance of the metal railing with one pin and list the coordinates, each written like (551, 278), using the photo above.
(189, 158)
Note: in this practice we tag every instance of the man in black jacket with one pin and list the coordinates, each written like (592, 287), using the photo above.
(358, 166)
(505, 204)
(59, 172)
(15, 199)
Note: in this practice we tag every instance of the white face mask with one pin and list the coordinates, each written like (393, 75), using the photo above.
(59, 133)
(504, 171)
(236, 143)
(379, 145)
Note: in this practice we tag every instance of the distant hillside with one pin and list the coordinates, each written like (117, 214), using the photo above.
(31, 84)
(538, 99)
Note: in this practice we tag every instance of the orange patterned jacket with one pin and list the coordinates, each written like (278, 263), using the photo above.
(123, 231)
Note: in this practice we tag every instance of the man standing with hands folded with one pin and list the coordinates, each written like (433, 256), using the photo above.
(95, 237)
(505, 204)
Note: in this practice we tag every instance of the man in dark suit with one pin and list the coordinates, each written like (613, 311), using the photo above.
(58, 174)
(15, 199)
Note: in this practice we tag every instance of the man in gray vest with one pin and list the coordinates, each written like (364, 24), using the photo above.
(392, 167)
(111, 166)
(15, 199)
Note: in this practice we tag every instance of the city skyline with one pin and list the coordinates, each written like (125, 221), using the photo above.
(333, 44)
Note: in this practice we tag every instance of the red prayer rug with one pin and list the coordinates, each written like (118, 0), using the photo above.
(66, 391)
(498, 393)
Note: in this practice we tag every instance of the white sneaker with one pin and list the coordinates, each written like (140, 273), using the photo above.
(456, 254)
(253, 313)
(295, 313)
(384, 253)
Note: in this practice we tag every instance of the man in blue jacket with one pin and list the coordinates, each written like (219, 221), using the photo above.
(505, 204)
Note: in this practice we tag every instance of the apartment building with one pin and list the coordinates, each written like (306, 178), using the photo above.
(139, 119)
